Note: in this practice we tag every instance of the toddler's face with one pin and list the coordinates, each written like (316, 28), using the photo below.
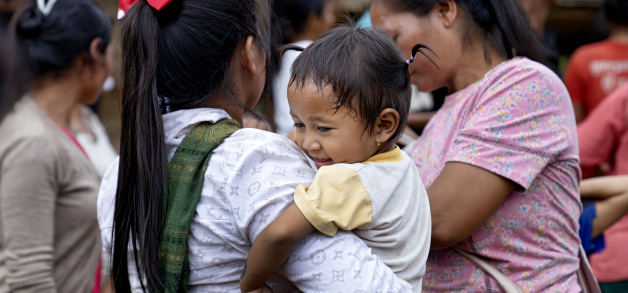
(327, 136)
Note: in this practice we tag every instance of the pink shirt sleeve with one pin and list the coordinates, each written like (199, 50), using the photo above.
(520, 121)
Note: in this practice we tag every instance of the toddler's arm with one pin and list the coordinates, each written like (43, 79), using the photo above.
(273, 246)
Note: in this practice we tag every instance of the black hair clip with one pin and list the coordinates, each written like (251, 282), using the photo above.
(417, 49)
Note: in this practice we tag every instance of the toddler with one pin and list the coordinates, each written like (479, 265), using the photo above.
(349, 96)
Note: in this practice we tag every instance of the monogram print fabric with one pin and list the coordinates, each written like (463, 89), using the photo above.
(250, 180)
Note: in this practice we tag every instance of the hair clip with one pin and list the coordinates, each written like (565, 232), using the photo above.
(417, 49)
(44, 7)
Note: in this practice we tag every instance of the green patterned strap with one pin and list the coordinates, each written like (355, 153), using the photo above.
(186, 173)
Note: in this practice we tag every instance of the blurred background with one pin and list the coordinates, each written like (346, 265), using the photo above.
(564, 25)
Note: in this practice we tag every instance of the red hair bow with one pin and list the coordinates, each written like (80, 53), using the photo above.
(125, 5)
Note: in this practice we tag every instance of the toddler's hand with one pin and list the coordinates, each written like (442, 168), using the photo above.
(263, 289)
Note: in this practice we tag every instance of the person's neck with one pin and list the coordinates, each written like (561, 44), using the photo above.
(474, 67)
(619, 34)
(385, 147)
(235, 110)
(56, 97)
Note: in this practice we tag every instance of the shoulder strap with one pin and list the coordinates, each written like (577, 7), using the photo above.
(586, 279)
(503, 281)
(186, 173)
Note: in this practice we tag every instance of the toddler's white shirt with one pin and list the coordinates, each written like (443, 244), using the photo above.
(384, 200)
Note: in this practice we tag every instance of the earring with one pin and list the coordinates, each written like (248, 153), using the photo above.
(378, 142)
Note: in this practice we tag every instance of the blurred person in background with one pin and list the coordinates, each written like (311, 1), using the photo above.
(500, 158)
(7, 8)
(309, 19)
(50, 239)
(603, 138)
(92, 136)
(538, 12)
(611, 194)
(595, 70)
(424, 105)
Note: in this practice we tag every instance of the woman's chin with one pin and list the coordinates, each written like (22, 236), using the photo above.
(422, 84)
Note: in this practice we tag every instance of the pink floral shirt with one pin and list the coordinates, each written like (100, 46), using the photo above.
(517, 122)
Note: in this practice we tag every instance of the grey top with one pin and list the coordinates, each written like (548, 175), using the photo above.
(49, 236)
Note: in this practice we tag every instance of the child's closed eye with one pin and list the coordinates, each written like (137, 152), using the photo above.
(299, 125)
(323, 129)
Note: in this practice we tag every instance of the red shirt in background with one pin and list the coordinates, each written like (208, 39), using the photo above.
(603, 137)
(594, 71)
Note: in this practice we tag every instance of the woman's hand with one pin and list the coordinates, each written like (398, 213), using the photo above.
(263, 289)
(462, 198)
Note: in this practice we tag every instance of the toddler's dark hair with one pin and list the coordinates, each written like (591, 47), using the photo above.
(365, 70)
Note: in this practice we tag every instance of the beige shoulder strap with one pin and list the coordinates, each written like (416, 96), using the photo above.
(507, 285)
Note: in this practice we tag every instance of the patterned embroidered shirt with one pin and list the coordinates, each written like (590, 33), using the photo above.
(518, 123)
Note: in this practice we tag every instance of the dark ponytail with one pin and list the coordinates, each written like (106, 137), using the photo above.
(503, 22)
(143, 163)
(180, 54)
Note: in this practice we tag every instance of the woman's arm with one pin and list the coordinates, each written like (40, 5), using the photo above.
(462, 198)
(28, 193)
(612, 191)
(603, 187)
(609, 212)
(273, 246)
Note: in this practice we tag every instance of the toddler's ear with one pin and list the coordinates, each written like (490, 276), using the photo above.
(387, 124)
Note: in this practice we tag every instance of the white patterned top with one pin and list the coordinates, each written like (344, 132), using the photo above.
(250, 180)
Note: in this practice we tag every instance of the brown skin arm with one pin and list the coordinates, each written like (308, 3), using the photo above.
(612, 193)
(578, 109)
(273, 247)
(462, 198)
(609, 212)
(603, 187)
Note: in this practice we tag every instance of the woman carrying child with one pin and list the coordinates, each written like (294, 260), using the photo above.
(349, 97)
(180, 220)
(500, 159)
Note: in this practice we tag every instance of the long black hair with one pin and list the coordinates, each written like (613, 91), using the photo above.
(183, 53)
(504, 23)
(49, 44)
